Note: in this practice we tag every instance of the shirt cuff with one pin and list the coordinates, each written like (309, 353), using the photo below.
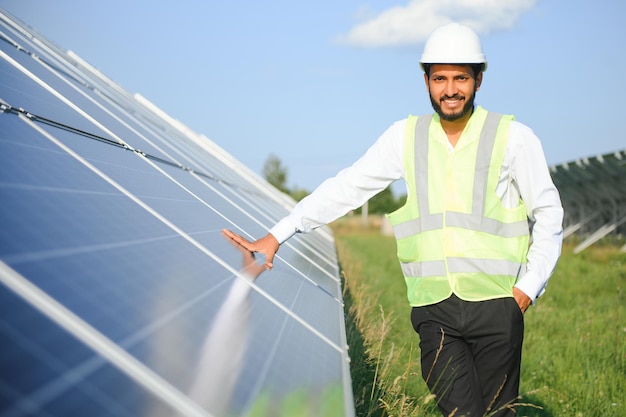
(283, 230)
(531, 285)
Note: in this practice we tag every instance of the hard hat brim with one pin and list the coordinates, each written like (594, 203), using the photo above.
(454, 63)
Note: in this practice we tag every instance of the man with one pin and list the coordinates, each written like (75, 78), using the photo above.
(478, 237)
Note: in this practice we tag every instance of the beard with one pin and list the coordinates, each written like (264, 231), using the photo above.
(467, 107)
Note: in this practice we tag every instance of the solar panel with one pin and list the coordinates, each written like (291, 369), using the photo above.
(593, 192)
(120, 295)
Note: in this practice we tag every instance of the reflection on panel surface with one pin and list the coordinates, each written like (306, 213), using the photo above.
(120, 296)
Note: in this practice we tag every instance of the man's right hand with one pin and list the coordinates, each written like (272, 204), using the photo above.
(266, 246)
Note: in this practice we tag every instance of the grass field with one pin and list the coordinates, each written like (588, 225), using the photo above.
(574, 358)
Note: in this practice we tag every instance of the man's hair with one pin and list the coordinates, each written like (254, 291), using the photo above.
(476, 68)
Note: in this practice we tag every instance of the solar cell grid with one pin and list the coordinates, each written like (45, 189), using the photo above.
(121, 296)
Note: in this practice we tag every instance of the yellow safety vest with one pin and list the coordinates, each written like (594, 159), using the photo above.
(453, 234)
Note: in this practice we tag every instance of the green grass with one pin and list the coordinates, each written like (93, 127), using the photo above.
(574, 358)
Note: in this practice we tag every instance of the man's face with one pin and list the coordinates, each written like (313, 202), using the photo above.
(452, 89)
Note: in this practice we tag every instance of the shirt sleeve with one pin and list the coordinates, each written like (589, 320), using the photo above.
(543, 206)
(350, 188)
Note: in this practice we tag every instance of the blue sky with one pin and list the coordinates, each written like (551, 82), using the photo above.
(316, 83)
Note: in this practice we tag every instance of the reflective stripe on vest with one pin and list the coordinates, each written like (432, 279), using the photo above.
(470, 265)
(475, 248)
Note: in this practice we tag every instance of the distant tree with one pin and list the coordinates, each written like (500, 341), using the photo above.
(275, 173)
(298, 193)
(384, 202)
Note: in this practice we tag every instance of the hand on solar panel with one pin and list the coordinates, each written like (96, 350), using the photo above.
(249, 267)
(267, 245)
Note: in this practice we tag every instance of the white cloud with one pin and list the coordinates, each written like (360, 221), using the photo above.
(411, 24)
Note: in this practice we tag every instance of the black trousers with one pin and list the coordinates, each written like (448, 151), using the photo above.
(471, 354)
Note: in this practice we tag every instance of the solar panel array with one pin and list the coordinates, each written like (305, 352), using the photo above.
(593, 192)
(120, 296)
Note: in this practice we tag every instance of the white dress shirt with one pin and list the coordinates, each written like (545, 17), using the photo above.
(524, 174)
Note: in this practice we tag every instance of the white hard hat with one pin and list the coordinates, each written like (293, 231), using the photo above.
(453, 44)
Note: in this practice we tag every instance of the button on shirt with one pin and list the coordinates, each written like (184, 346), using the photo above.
(524, 174)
